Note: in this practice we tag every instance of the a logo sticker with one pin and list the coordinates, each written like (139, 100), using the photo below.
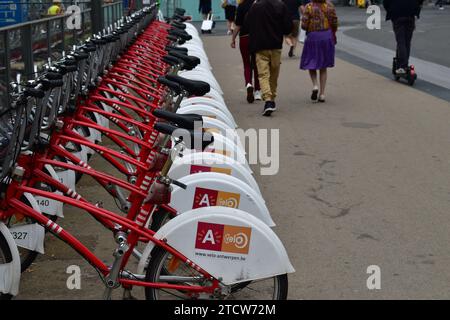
(210, 198)
(225, 238)
(199, 169)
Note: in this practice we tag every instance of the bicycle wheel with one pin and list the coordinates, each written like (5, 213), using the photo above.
(273, 288)
(5, 257)
(160, 218)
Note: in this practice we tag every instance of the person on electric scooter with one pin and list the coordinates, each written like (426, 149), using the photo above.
(403, 15)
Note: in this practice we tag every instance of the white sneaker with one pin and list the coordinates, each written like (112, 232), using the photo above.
(400, 71)
(258, 95)
(441, 8)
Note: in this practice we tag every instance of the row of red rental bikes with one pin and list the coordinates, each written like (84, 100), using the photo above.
(190, 215)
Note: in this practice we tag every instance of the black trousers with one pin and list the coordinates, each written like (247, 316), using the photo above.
(404, 29)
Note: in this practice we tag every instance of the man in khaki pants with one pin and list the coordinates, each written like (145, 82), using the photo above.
(268, 21)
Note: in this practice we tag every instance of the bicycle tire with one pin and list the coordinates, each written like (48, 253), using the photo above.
(160, 218)
(155, 267)
(6, 255)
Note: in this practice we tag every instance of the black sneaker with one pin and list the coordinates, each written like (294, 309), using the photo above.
(291, 52)
(250, 93)
(314, 94)
(269, 107)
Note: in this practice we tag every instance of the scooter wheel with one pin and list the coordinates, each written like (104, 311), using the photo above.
(412, 79)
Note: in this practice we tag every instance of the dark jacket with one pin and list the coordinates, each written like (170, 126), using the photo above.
(268, 22)
(205, 6)
(402, 8)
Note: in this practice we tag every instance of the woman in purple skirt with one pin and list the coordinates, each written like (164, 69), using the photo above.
(320, 23)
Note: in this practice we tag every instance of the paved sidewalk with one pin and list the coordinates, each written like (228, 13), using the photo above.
(364, 179)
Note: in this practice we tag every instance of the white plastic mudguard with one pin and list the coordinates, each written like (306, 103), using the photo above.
(228, 243)
(99, 121)
(191, 30)
(212, 103)
(30, 236)
(67, 177)
(211, 162)
(208, 111)
(213, 94)
(104, 122)
(201, 76)
(214, 125)
(226, 147)
(91, 137)
(10, 272)
(82, 154)
(49, 206)
(203, 101)
(209, 189)
(199, 53)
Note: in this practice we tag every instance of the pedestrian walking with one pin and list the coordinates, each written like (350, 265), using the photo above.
(294, 7)
(320, 22)
(205, 8)
(403, 15)
(248, 58)
(269, 21)
(230, 13)
(55, 9)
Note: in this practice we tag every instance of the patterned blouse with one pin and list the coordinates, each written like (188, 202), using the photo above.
(319, 17)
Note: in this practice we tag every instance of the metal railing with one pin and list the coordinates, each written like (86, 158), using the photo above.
(26, 47)
(112, 12)
(168, 7)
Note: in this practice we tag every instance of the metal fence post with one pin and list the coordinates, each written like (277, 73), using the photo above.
(49, 36)
(63, 38)
(7, 66)
(97, 17)
(27, 51)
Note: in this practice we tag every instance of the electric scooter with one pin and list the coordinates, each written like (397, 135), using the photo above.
(410, 75)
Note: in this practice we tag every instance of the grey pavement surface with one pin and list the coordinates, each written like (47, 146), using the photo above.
(363, 180)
